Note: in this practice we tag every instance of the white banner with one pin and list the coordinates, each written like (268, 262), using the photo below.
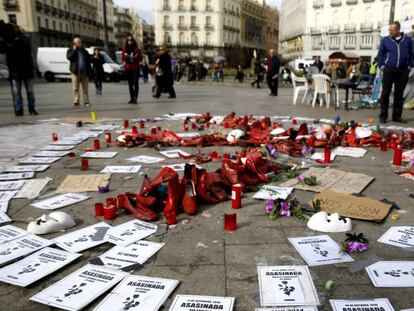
(130, 232)
(138, 293)
(286, 286)
(36, 266)
(79, 288)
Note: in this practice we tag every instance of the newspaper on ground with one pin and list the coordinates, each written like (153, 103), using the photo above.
(79, 288)
(60, 201)
(319, 250)
(130, 232)
(36, 266)
(4, 206)
(81, 239)
(174, 154)
(58, 147)
(286, 286)
(4, 219)
(6, 196)
(138, 293)
(50, 153)
(392, 273)
(350, 152)
(38, 160)
(10, 232)
(24, 168)
(401, 236)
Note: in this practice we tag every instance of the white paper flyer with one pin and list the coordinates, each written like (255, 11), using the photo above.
(145, 159)
(122, 169)
(36, 266)
(138, 293)
(38, 160)
(286, 286)
(79, 288)
(58, 147)
(130, 232)
(201, 303)
(21, 247)
(392, 273)
(350, 152)
(6, 196)
(4, 206)
(16, 176)
(288, 309)
(174, 154)
(50, 153)
(4, 219)
(11, 185)
(382, 304)
(129, 258)
(99, 155)
(269, 192)
(61, 200)
(10, 232)
(25, 168)
(81, 239)
(319, 250)
(401, 236)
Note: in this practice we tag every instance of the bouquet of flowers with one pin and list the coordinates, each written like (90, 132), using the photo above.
(355, 243)
(284, 208)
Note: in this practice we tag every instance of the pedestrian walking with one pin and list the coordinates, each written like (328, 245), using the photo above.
(165, 75)
(239, 74)
(259, 71)
(98, 71)
(273, 67)
(80, 68)
(318, 63)
(395, 59)
(145, 69)
(132, 57)
(20, 63)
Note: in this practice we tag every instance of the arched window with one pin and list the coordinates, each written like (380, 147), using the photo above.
(405, 11)
(167, 38)
(208, 38)
(181, 37)
(194, 38)
(368, 15)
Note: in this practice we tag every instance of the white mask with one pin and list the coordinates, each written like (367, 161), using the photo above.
(325, 222)
(234, 135)
(54, 222)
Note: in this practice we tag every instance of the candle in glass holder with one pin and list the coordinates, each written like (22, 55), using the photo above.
(54, 137)
(398, 151)
(126, 124)
(236, 194)
(142, 124)
(383, 145)
(99, 208)
(112, 202)
(134, 130)
(84, 164)
(230, 222)
(327, 155)
(186, 125)
(96, 144)
(154, 131)
(122, 200)
(109, 212)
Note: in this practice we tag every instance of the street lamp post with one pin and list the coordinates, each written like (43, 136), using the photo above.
(105, 26)
(392, 11)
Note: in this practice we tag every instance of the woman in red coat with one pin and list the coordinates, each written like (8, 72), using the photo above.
(132, 57)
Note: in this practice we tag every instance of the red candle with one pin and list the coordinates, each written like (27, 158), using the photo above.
(112, 202)
(121, 200)
(327, 158)
(108, 138)
(109, 212)
(96, 144)
(54, 137)
(154, 131)
(398, 151)
(99, 209)
(126, 124)
(142, 124)
(383, 145)
(186, 125)
(230, 222)
(207, 124)
(236, 194)
(193, 125)
(294, 122)
(84, 164)
(134, 130)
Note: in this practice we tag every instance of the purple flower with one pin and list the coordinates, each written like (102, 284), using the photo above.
(270, 206)
(271, 149)
(412, 162)
(354, 247)
(285, 209)
(301, 178)
(306, 150)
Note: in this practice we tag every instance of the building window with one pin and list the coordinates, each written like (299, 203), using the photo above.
(194, 5)
(368, 15)
(405, 11)
(181, 5)
(167, 38)
(39, 22)
(166, 20)
(208, 20)
(166, 5)
(193, 21)
(47, 24)
(181, 21)
(350, 41)
(385, 14)
(194, 39)
(208, 38)
(12, 18)
(60, 26)
(53, 25)
(181, 37)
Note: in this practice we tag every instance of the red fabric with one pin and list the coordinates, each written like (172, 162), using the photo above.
(269, 65)
(136, 63)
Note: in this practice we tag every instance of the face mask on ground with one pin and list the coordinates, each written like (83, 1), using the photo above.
(54, 222)
(324, 222)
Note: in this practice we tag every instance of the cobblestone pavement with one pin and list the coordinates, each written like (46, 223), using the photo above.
(207, 260)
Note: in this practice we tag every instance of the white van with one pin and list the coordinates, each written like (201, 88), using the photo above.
(301, 63)
(53, 64)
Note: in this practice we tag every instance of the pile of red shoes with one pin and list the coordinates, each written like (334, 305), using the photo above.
(168, 194)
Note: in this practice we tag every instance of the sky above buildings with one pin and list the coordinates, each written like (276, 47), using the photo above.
(145, 7)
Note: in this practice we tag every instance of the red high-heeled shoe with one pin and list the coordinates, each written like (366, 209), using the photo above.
(138, 210)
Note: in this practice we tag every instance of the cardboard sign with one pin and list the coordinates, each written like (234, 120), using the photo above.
(138, 293)
(392, 273)
(60, 201)
(25, 168)
(11, 185)
(286, 286)
(130, 232)
(36, 266)
(131, 257)
(319, 250)
(401, 236)
(351, 206)
(32, 188)
(328, 178)
(79, 288)
(8, 233)
(16, 176)
(79, 240)
(83, 183)
(201, 303)
(382, 304)
(21, 247)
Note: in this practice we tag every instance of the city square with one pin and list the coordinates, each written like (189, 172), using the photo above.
(206, 192)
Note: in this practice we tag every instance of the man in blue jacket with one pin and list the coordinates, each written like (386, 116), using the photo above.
(395, 59)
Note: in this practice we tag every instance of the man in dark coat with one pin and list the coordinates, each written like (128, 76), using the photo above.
(20, 64)
(165, 77)
(273, 68)
(80, 68)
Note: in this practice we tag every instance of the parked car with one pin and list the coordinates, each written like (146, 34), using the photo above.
(52, 64)
(4, 71)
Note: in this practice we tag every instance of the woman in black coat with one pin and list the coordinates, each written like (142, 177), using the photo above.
(98, 71)
(165, 77)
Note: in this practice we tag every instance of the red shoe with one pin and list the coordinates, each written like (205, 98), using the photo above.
(137, 210)
(202, 193)
(303, 129)
(173, 200)
(190, 199)
(230, 171)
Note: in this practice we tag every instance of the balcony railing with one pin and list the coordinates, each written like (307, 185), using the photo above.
(350, 28)
(181, 8)
(368, 1)
(166, 8)
(349, 46)
(336, 2)
(335, 46)
(193, 8)
(182, 26)
(11, 5)
(316, 30)
(334, 29)
(209, 27)
(367, 46)
(167, 26)
(209, 9)
(194, 27)
(317, 4)
(366, 27)
(351, 1)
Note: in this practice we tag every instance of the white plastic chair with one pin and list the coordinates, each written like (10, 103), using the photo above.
(323, 86)
(299, 88)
